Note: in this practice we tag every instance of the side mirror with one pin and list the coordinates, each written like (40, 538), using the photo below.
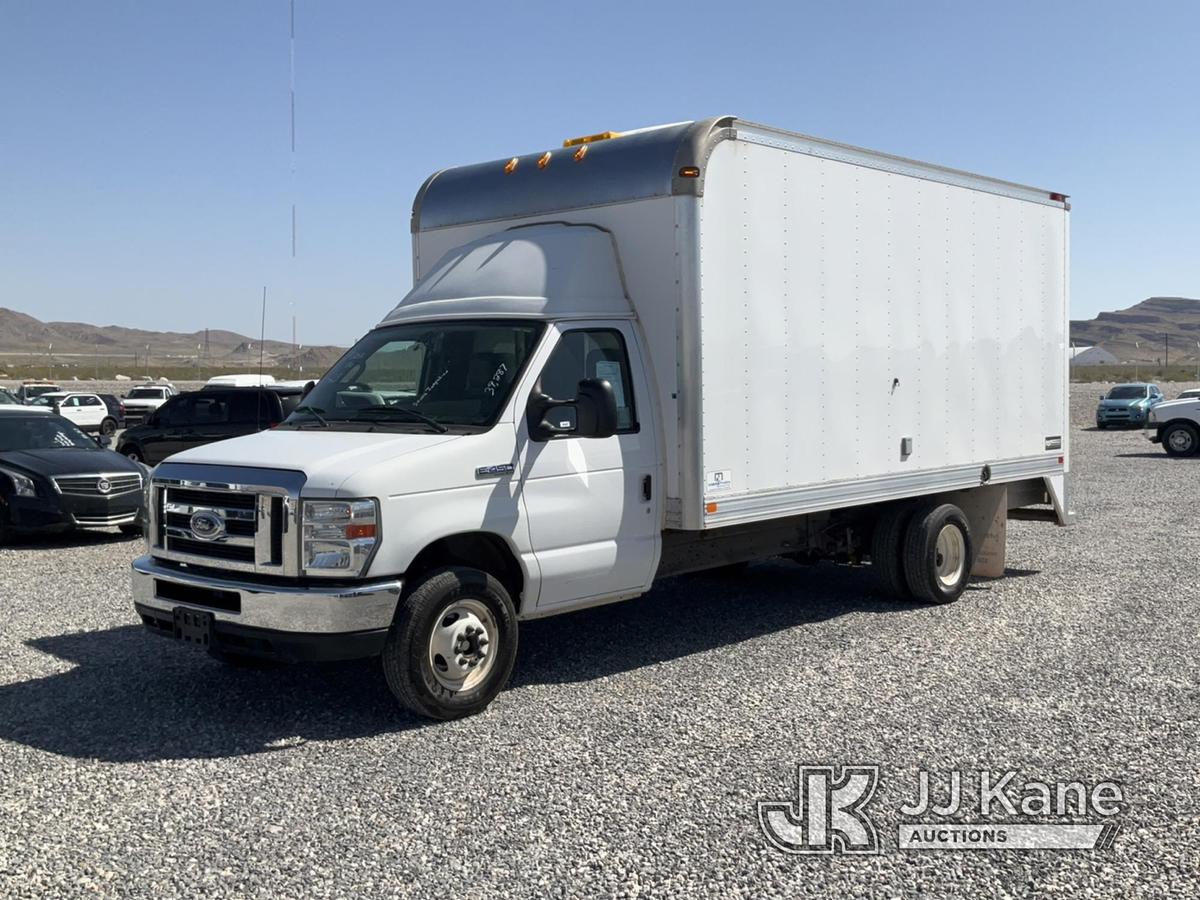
(307, 389)
(592, 414)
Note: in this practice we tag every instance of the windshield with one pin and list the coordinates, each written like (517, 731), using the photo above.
(47, 400)
(1127, 392)
(8, 399)
(152, 393)
(41, 432)
(38, 391)
(430, 374)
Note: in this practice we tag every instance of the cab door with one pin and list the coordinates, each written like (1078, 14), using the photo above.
(91, 412)
(593, 503)
(71, 408)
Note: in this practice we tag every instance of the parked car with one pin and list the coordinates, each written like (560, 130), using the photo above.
(116, 408)
(1127, 404)
(144, 399)
(201, 417)
(1190, 394)
(87, 411)
(31, 390)
(1176, 425)
(53, 477)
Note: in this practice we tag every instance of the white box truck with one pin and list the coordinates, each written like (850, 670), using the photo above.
(630, 357)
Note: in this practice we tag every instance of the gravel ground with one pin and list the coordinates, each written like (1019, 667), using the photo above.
(628, 754)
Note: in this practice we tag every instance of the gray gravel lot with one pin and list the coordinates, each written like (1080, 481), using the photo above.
(628, 754)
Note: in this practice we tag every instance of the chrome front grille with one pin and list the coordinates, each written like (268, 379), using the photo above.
(104, 485)
(225, 517)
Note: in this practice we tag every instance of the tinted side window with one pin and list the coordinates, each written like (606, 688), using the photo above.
(209, 410)
(592, 354)
(252, 408)
(176, 412)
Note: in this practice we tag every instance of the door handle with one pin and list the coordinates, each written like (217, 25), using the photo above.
(647, 491)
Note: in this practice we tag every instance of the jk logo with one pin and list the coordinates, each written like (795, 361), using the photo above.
(827, 815)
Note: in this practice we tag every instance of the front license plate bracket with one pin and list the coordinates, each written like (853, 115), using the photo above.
(193, 626)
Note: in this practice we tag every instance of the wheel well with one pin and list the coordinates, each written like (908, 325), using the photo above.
(478, 550)
(1163, 426)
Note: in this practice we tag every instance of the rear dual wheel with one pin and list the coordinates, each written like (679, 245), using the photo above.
(923, 551)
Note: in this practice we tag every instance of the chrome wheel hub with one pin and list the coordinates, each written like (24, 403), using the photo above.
(950, 556)
(1181, 440)
(460, 644)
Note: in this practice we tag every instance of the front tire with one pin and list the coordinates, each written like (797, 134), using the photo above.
(452, 645)
(108, 427)
(938, 553)
(1181, 439)
(133, 453)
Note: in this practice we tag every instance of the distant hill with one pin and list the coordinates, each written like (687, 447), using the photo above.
(1119, 332)
(23, 336)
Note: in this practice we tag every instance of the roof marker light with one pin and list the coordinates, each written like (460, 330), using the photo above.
(581, 152)
(689, 172)
(544, 160)
(510, 166)
(1058, 198)
(591, 138)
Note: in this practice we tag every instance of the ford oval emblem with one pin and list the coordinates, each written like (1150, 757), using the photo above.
(206, 525)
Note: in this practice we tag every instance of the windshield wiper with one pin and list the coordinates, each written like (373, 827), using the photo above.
(313, 411)
(371, 412)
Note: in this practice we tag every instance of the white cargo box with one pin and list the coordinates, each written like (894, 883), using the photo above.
(827, 326)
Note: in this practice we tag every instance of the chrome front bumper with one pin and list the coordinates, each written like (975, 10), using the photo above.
(302, 610)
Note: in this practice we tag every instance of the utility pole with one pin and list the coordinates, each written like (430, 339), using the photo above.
(1138, 348)
(1166, 351)
(49, 362)
(147, 362)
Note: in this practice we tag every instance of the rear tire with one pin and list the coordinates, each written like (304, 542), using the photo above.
(938, 553)
(132, 453)
(887, 549)
(1181, 439)
(452, 645)
(108, 427)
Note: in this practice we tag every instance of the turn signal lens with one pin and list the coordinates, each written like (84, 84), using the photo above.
(689, 172)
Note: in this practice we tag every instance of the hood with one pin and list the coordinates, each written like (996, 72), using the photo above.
(1122, 404)
(327, 458)
(1173, 406)
(68, 461)
(143, 402)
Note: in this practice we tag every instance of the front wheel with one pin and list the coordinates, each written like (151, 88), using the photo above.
(108, 427)
(452, 645)
(1181, 439)
(937, 553)
(132, 453)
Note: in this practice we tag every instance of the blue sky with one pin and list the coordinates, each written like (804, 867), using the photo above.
(145, 164)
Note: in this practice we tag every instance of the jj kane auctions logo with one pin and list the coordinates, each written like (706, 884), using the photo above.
(829, 813)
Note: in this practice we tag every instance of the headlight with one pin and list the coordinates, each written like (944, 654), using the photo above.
(22, 484)
(339, 536)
